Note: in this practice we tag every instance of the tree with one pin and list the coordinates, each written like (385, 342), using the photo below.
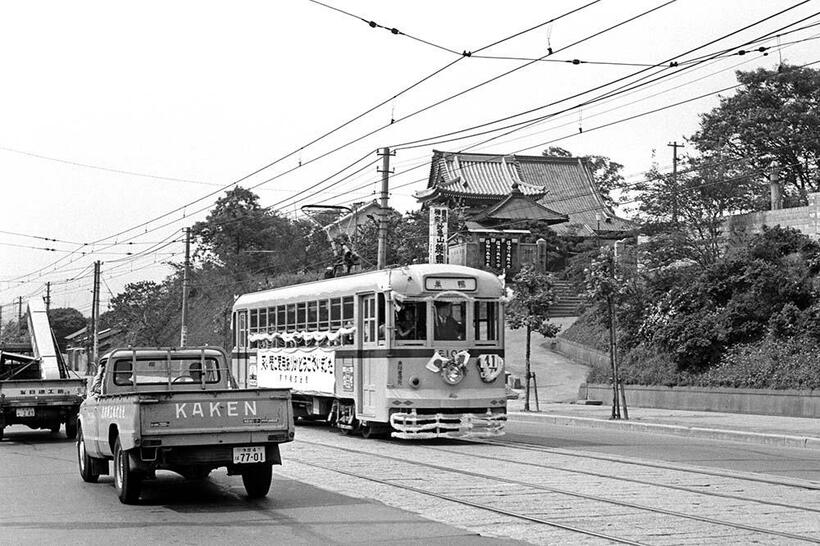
(142, 310)
(605, 173)
(246, 238)
(604, 285)
(773, 117)
(65, 321)
(529, 308)
(407, 237)
(699, 198)
(763, 285)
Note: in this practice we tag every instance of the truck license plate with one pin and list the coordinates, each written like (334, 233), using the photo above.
(25, 412)
(245, 455)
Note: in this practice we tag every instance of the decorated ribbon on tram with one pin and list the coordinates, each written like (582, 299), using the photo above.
(453, 369)
(304, 336)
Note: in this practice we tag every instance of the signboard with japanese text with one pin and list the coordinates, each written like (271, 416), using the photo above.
(438, 235)
(449, 283)
(300, 370)
(497, 252)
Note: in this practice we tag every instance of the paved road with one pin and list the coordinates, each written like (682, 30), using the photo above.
(45, 502)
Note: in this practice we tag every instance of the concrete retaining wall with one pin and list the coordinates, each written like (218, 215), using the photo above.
(579, 353)
(754, 401)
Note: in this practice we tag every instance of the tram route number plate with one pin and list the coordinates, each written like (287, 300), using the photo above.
(247, 455)
(25, 412)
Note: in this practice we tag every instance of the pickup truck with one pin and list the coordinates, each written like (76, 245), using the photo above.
(27, 399)
(178, 409)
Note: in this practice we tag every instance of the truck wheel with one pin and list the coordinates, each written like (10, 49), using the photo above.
(86, 464)
(1, 432)
(71, 428)
(257, 480)
(55, 427)
(126, 481)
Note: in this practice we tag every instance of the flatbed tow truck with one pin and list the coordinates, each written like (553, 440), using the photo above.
(37, 390)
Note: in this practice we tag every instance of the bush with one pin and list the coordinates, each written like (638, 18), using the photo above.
(768, 364)
(587, 330)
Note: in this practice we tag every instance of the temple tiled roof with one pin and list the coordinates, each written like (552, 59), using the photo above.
(561, 184)
(481, 176)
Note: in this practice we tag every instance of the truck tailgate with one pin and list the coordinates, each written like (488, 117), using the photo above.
(216, 414)
(32, 392)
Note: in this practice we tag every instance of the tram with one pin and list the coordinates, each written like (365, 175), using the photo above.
(414, 352)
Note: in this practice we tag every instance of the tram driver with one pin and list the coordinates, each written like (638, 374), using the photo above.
(447, 327)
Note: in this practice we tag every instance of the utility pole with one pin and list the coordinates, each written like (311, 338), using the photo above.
(674, 145)
(20, 313)
(381, 263)
(48, 296)
(95, 314)
(186, 280)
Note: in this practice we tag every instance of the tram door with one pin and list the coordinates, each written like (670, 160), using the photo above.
(241, 344)
(368, 375)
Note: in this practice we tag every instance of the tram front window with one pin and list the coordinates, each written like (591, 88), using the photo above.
(411, 321)
(449, 319)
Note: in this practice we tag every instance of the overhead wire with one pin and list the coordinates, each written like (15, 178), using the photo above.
(324, 135)
(427, 141)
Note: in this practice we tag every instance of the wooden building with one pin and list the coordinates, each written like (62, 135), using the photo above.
(498, 194)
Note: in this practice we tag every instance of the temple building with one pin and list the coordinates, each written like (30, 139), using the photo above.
(497, 195)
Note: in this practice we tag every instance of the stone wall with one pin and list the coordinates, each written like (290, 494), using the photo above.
(805, 219)
(788, 403)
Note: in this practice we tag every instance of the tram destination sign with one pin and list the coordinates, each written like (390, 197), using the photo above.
(449, 283)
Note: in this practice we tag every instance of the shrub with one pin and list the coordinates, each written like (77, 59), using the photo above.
(768, 364)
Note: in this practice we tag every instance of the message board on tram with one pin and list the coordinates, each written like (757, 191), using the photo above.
(300, 370)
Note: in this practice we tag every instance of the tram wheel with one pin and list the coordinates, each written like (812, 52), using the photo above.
(370, 430)
(354, 425)
(375, 430)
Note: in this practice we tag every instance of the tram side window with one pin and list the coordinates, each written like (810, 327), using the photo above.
(324, 317)
(348, 318)
(291, 322)
(311, 316)
(301, 316)
(254, 321)
(485, 320)
(263, 321)
(449, 320)
(411, 321)
(281, 319)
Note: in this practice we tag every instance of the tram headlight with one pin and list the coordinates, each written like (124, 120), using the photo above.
(415, 382)
(452, 373)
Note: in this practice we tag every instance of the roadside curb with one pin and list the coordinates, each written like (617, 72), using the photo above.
(777, 440)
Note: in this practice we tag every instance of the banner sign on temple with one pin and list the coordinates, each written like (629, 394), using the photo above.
(438, 235)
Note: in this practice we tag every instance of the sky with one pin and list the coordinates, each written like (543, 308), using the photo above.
(122, 123)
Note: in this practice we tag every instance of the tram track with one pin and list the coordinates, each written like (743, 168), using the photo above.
(812, 486)
(448, 482)
(651, 483)
(479, 506)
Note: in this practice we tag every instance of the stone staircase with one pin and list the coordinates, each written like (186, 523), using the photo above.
(568, 301)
